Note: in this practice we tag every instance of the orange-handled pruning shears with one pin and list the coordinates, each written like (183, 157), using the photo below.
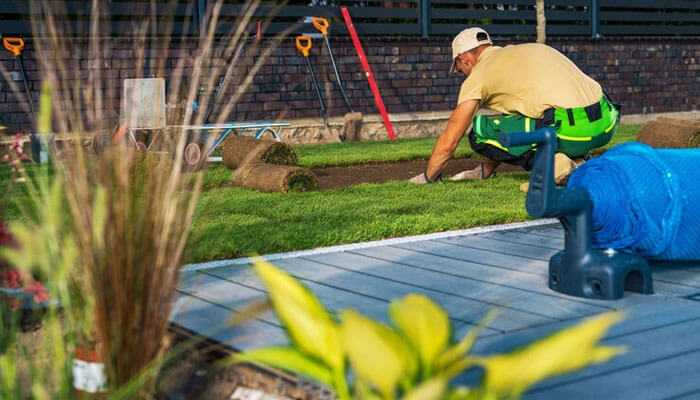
(14, 45)
(303, 43)
(321, 24)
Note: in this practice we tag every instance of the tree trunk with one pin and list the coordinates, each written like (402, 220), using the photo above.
(541, 22)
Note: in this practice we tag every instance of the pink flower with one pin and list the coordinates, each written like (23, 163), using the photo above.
(10, 278)
(38, 292)
(6, 238)
(17, 146)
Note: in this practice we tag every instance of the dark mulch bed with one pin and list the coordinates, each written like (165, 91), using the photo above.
(199, 374)
(340, 177)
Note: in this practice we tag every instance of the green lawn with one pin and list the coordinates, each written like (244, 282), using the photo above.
(626, 133)
(15, 195)
(234, 222)
(319, 155)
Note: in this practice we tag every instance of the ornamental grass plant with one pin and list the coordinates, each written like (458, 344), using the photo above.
(106, 230)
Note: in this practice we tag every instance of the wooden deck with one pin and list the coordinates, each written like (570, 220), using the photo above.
(469, 275)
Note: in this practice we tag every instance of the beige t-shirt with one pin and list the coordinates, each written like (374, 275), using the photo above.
(528, 79)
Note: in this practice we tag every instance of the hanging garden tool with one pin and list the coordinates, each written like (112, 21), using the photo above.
(322, 25)
(15, 45)
(303, 44)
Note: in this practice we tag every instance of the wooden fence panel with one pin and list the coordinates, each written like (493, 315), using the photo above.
(649, 17)
(510, 18)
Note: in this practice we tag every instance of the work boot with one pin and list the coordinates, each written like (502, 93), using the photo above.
(563, 167)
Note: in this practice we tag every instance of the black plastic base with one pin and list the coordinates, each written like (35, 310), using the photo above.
(600, 274)
(578, 270)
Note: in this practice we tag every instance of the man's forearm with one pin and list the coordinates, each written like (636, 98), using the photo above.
(445, 147)
(446, 144)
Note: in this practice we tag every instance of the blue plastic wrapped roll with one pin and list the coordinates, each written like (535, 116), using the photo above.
(645, 200)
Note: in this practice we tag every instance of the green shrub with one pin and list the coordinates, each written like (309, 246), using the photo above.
(414, 357)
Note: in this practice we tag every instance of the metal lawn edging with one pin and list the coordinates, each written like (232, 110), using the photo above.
(366, 245)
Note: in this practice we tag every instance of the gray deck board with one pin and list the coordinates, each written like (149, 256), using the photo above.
(638, 318)
(523, 237)
(460, 268)
(461, 309)
(488, 275)
(653, 334)
(679, 276)
(668, 354)
(502, 246)
(554, 233)
(469, 275)
(485, 257)
(232, 296)
(553, 308)
(211, 320)
(671, 375)
(334, 299)
(692, 394)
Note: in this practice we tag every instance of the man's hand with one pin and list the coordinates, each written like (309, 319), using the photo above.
(419, 179)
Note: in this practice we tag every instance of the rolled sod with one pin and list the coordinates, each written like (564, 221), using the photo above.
(275, 178)
(237, 149)
(670, 133)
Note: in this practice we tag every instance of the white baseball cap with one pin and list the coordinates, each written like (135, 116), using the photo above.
(466, 40)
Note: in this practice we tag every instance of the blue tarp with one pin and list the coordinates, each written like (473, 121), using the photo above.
(645, 200)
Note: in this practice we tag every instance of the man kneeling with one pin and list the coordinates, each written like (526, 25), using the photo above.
(531, 86)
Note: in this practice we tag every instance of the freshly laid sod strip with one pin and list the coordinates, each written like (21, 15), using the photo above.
(236, 150)
(233, 222)
(274, 178)
(626, 133)
(322, 155)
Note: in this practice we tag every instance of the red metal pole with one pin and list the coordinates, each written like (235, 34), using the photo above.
(368, 72)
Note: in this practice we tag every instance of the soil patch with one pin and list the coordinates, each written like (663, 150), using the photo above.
(344, 176)
(199, 374)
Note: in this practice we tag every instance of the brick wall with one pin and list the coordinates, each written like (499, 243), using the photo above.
(645, 75)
